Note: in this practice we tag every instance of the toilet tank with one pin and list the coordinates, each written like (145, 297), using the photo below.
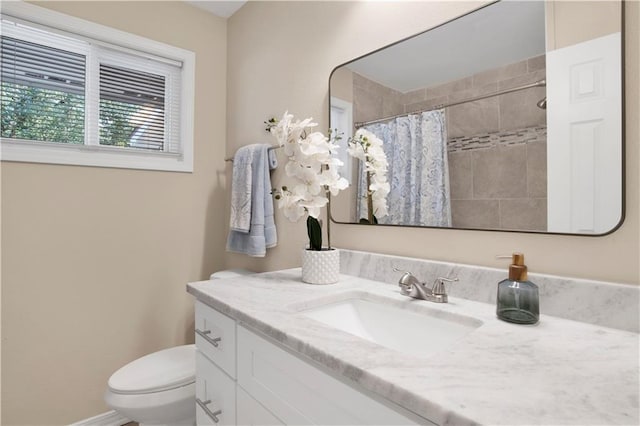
(230, 273)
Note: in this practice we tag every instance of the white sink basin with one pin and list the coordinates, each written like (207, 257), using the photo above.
(394, 327)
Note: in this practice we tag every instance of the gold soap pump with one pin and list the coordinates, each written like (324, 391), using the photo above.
(517, 300)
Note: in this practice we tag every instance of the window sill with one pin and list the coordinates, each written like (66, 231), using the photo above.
(93, 156)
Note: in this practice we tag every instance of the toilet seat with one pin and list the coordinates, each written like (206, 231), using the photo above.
(157, 372)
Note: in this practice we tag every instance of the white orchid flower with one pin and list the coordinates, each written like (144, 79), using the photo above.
(314, 204)
(310, 188)
(311, 167)
(314, 144)
(380, 209)
(330, 179)
(379, 187)
(289, 202)
(281, 130)
(368, 148)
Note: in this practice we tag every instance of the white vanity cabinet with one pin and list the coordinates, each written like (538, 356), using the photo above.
(251, 412)
(215, 394)
(215, 367)
(265, 384)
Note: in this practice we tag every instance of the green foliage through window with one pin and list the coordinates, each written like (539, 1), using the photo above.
(38, 114)
(116, 128)
(32, 113)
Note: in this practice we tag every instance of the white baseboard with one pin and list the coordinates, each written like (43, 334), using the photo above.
(110, 418)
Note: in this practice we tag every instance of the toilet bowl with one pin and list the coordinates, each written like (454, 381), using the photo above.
(160, 388)
(156, 389)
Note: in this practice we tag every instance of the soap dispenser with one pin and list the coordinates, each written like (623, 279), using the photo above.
(518, 300)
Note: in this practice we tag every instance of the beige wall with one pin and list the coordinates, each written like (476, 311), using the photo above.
(280, 57)
(95, 260)
(571, 22)
(342, 84)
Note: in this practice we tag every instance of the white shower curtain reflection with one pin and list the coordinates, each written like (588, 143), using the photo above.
(416, 149)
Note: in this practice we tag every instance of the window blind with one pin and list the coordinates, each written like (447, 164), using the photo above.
(43, 92)
(132, 108)
(34, 65)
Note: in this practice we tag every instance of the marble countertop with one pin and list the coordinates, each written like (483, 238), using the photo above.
(558, 371)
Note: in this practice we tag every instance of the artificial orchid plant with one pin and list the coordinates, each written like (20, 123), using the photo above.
(367, 147)
(313, 169)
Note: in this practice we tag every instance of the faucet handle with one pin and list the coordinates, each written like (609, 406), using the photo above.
(406, 281)
(438, 285)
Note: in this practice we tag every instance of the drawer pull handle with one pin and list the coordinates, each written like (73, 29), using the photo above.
(205, 335)
(214, 415)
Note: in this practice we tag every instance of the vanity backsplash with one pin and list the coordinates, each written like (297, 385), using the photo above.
(594, 302)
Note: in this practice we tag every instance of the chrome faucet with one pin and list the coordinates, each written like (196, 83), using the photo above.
(410, 286)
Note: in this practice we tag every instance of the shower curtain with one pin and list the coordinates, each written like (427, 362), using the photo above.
(416, 149)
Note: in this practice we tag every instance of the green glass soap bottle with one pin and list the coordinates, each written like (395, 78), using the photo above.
(518, 300)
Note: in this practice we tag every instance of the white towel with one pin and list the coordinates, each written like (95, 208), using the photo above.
(240, 218)
(262, 229)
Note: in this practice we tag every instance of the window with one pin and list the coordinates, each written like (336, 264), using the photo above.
(43, 92)
(74, 92)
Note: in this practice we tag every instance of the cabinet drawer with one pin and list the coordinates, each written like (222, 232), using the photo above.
(216, 337)
(299, 393)
(251, 412)
(216, 392)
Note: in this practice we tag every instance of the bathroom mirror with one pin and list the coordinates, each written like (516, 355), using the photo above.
(507, 118)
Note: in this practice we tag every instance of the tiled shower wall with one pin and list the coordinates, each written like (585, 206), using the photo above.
(499, 180)
(497, 146)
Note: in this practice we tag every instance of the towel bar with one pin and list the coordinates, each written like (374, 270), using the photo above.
(271, 148)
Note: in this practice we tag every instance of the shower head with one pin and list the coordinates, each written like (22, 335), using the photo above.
(542, 103)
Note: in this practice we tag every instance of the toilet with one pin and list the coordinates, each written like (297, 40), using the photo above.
(160, 388)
